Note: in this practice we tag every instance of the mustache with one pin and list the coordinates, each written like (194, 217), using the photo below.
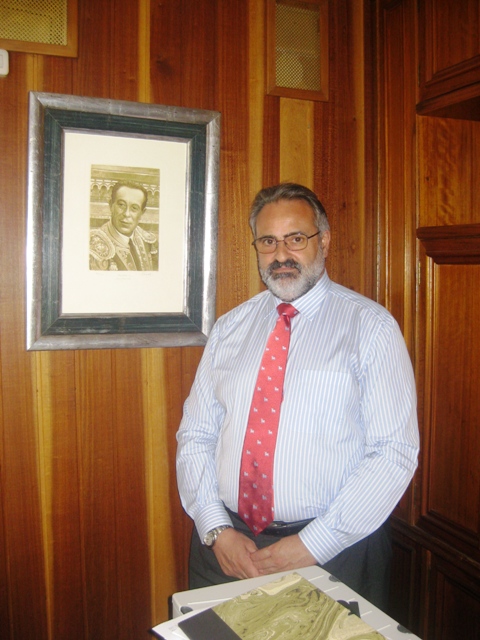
(290, 263)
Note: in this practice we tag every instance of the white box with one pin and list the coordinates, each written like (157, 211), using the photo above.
(3, 62)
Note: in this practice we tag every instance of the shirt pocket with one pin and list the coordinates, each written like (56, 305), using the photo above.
(322, 402)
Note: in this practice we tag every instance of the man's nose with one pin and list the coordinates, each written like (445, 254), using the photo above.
(282, 252)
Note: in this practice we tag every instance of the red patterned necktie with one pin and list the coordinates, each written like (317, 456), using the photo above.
(255, 501)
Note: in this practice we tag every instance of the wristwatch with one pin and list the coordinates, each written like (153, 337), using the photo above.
(211, 536)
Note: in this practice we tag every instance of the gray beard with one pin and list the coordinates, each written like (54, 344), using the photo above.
(290, 286)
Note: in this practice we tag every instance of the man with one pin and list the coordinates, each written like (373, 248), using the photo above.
(120, 244)
(347, 441)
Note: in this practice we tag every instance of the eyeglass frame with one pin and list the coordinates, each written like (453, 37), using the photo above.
(285, 240)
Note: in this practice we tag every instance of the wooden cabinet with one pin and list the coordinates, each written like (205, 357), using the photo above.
(429, 225)
(449, 58)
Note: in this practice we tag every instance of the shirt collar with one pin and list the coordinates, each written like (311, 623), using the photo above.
(117, 235)
(308, 304)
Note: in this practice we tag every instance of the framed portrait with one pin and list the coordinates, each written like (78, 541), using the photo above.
(122, 223)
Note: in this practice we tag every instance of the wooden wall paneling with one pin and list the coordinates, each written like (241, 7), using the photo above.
(59, 488)
(98, 491)
(144, 47)
(125, 45)
(257, 120)
(4, 571)
(296, 141)
(397, 179)
(396, 266)
(183, 57)
(404, 596)
(131, 531)
(340, 152)
(450, 513)
(368, 163)
(449, 171)
(181, 523)
(21, 500)
(271, 141)
(449, 48)
(168, 526)
(57, 74)
(445, 22)
(166, 53)
(423, 358)
(96, 64)
(232, 93)
(397, 260)
(455, 606)
(157, 474)
(256, 94)
(451, 493)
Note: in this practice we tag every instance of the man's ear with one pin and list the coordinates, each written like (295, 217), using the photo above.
(325, 241)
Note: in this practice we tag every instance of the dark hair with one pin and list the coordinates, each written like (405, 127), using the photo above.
(289, 191)
(131, 185)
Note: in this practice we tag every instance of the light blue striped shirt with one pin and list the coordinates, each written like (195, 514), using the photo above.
(348, 440)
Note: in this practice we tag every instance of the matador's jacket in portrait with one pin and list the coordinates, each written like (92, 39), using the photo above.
(112, 251)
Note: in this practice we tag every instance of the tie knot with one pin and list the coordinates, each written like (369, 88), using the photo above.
(286, 309)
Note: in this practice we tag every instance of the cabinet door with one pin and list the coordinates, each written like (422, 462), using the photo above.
(449, 64)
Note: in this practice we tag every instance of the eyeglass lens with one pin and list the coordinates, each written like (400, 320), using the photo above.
(295, 242)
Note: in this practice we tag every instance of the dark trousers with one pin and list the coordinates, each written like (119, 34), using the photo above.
(364, 567)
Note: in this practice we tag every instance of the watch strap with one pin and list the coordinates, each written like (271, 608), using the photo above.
(212, 535)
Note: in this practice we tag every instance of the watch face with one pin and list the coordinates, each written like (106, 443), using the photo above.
(210, 538)
(212, 535)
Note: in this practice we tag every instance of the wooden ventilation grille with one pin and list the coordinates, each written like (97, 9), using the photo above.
(297, 48)
(39, 26)
(297, 51)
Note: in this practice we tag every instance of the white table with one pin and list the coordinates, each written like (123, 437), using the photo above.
(199, 599)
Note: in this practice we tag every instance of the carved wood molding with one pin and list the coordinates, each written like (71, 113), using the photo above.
(452, 244)
(428, 538)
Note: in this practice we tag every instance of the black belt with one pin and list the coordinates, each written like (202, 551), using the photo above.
(277, 528)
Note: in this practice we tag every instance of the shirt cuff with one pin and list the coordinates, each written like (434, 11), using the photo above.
(210, 517)
(320, 541)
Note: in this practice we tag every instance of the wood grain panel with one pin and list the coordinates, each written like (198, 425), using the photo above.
(257, 108)
(168, 531)
(56, 74)
(97, 460)
(131, 532)
(449, 171)
(21, 500)
(455, 610)
(396, 267)
(397, 212)
(296, 141)
(403, 605)
(452, 491)
(444, 22)
(449, 48)
(124, 49)
(4, 582)
(94, 73)
(340, 153)
(60, 491)
(232, 99)
(183, 56)
(271, 141)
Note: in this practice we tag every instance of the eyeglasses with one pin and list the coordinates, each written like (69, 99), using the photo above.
(293, 242)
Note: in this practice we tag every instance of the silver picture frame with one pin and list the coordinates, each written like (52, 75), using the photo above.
(78, 146)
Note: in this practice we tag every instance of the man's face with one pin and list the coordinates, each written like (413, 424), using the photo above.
(127, 209)
(290, 274)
